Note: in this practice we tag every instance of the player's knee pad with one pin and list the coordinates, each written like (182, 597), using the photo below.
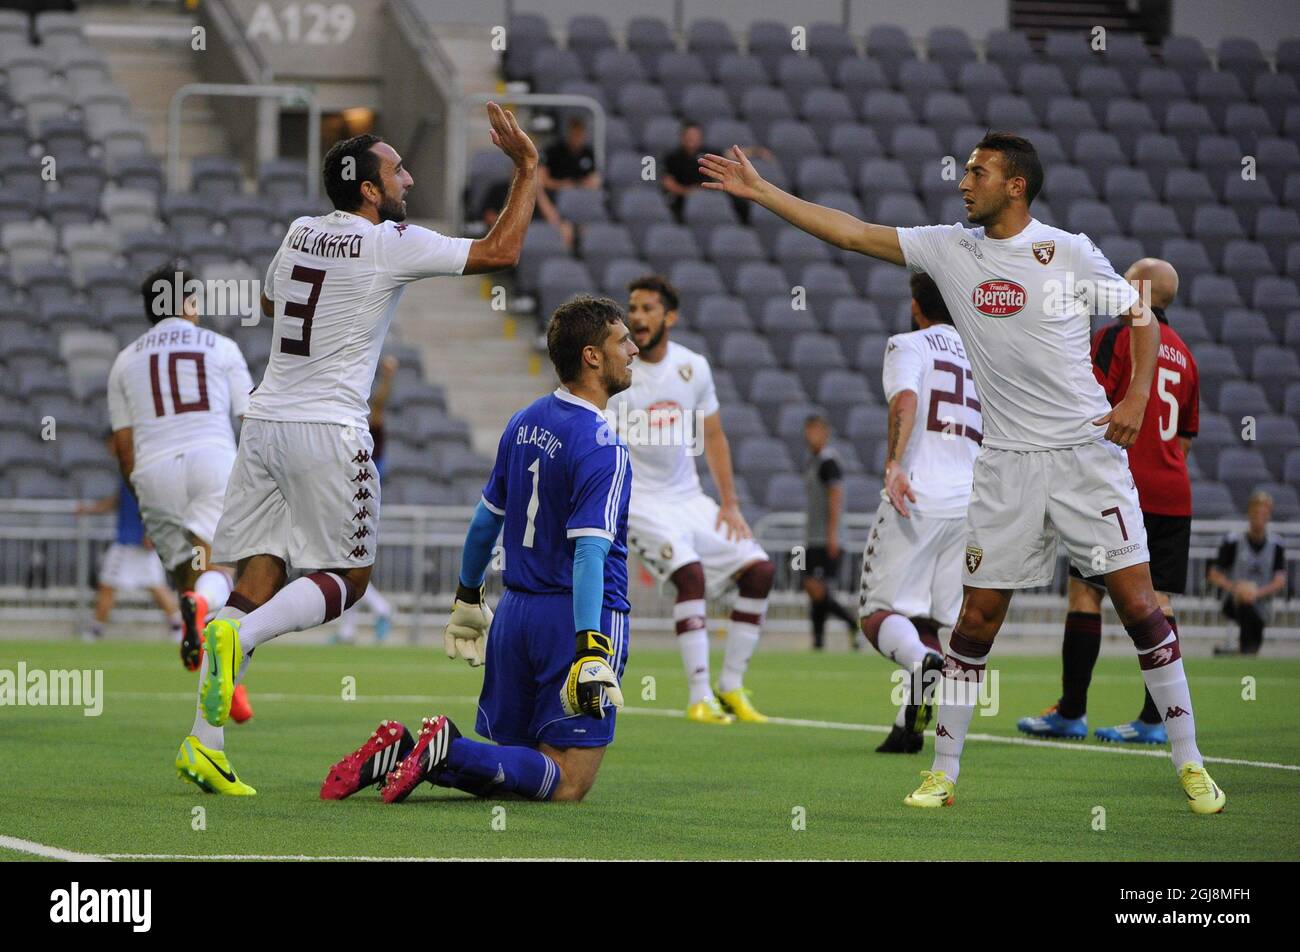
(689, 582)
(756, 580)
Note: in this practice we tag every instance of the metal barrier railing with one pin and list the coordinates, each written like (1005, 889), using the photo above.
(286, 95)
(49, 563)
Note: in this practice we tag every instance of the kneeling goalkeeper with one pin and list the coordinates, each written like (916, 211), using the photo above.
(560, 489)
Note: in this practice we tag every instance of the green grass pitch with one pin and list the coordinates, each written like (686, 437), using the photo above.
(668, 789)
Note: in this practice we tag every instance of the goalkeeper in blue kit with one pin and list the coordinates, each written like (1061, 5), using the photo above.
(559, 489)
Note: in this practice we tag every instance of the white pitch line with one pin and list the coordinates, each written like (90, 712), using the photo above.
(302, 858)
(49, 852)
(1158, 751)
(1153, 751)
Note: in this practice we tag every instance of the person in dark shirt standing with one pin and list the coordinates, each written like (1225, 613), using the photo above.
(1251, 568)
(822, 481)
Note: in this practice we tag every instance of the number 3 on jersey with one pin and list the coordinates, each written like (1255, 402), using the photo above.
(306, 311)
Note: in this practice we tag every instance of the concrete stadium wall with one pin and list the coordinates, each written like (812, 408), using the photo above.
(1264, 21)
(915, 16)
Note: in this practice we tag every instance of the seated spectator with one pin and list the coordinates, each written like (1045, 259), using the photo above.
(1251, 568)
(570, 162)
(681, 167)
(495, 200)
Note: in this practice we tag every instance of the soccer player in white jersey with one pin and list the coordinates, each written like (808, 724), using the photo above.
(911, 570)
(173, 394)
(1052, 466)
(304, 493)
(666, 417)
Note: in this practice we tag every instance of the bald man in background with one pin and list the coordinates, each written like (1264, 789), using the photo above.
(1158, 461)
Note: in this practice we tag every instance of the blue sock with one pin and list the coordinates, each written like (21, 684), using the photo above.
(481, 769)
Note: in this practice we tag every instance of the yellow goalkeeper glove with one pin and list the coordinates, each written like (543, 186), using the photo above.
(591, 676)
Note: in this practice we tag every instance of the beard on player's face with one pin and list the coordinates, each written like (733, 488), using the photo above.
(392, 209)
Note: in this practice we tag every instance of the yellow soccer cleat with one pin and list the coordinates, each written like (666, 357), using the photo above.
(221, 640)
(738, 704)
(209, 769)
(1203, 794)
(936, 790)
(708, 711)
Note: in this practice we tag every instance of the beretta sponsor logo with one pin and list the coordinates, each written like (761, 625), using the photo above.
(999, 298)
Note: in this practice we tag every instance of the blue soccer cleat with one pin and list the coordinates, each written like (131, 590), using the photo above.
(1134, 732)
(1052, 724)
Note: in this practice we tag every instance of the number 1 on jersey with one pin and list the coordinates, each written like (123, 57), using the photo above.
(533, 501)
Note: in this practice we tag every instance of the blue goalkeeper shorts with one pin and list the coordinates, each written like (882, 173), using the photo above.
(530, 649)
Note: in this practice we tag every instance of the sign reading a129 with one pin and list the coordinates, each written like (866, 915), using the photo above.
(311, 24)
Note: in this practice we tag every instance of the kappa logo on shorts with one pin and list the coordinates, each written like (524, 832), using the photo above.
(1044, 251)
(361, 533)
(363, 456)
(362, 493)
(974, 556)
(362, 476)
(359, 552)
(362, 513)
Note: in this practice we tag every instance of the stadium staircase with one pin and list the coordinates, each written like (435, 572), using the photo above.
(483, 360)
(149, 57)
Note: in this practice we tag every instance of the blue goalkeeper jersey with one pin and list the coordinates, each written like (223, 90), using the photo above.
(561, 472)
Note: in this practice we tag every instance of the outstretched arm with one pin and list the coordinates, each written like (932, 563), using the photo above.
(501, 246)
(737, 176)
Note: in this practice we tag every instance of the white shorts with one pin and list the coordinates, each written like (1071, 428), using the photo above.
(668, 534)
(127, 567)
(307, 493)
(180, 496)
(1024, 503)
(913, 566)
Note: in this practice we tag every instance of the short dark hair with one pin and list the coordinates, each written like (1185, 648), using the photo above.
(345, 190)
(579, 323)
(661, 286)
(160, 302)
(689, 123)
(1019, 157)
(928, 298)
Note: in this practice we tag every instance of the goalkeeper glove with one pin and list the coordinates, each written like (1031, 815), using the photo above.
(591, 673)
(466, 633)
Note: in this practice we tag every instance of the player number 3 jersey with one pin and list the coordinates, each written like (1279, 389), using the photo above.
(335, 282)
(1022, 307)
(946, 435)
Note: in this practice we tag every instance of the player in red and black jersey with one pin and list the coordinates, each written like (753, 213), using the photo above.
(1158, 461)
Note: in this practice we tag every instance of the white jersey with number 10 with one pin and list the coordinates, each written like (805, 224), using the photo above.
(335, 282)
(940, 454)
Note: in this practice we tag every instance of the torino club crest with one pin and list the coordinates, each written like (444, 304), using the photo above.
(1044, 251)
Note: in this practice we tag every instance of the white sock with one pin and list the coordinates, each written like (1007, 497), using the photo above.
(348, 624)
(375, 601)
(299, 605)
(742, 639)
(899, 641)
(209, 736)
(694, 646)
(214, 588)
(956, 708)
(176, 624)
(1168, 687)
(900, 719)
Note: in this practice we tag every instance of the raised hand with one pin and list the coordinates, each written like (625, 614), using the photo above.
(510, 139)
(735, 176)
